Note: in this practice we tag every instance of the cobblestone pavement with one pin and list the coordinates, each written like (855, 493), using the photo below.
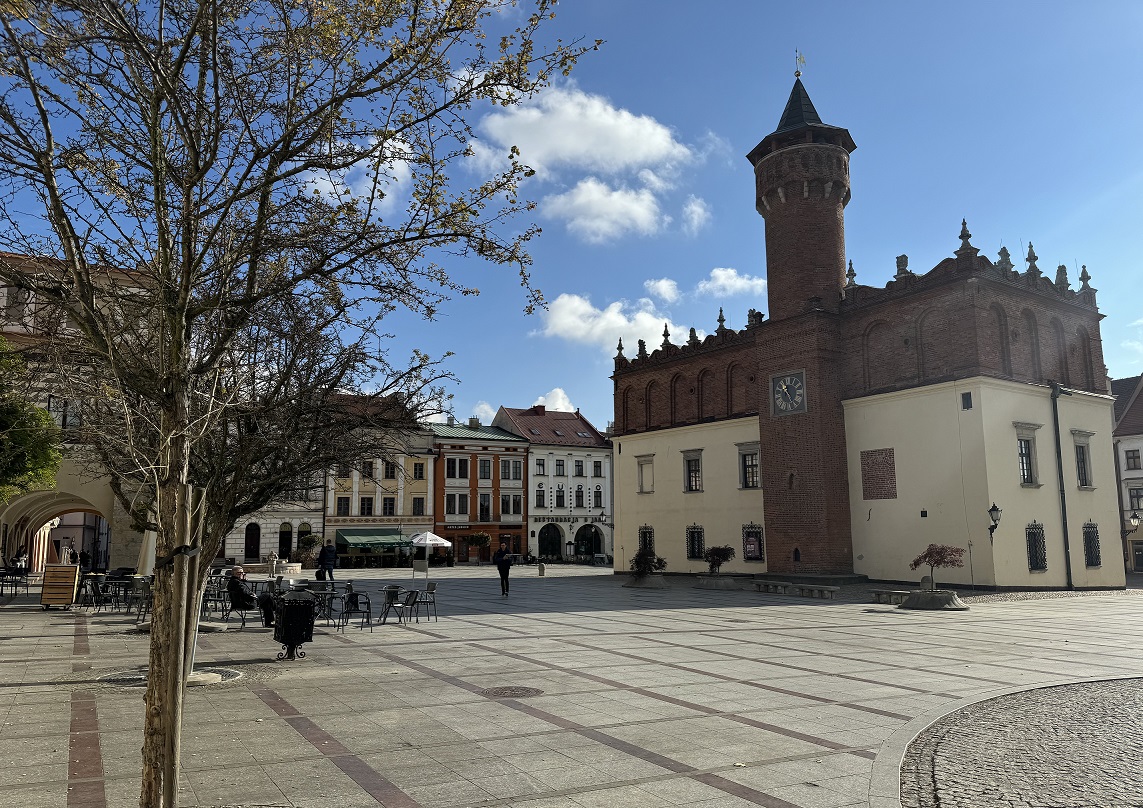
(576, 692)
(1056, 747)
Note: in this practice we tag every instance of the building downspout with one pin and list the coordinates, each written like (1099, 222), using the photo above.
(1123, 534)
(1058, 391)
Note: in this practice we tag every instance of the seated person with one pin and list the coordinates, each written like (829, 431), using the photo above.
(242, 598)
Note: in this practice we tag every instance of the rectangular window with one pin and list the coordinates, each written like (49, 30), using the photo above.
(484, 469)
(388, 506)
(505, 504)
(541, 500)
(366, 506)
(450, 468)
(450, 504)
(966, 401)
(367, 470)
(342, 506)
(559, 468)
(1081, 468)
(1026, 453)
(646, 473)
(1037, 547)
(65, 412)
(456, 468)
(579, 468)
(1135, 496)
(560, 497)
(1091, 556)
(752, 547)
(597, 501)
(694, 474)
(517, 504)
(418, 471)
(750, 476)
(696, 543)
(418, 506)
(462, 504)
(505, 469)
(647, 538)
(1131, 459)
(485, 507)
(597, 468)
(540, 466)
(390, 470)
(517, 469)
(579, 497)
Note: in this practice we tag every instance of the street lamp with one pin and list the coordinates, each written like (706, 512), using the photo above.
(1134, 520)
(994, 515)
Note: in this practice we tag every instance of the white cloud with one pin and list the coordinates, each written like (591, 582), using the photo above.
(484, 411)
(566, 127)
(696, 215)
(556, 399)
(726, 282)
(663, 288)
(574, 318)
(1138, 322)
(1133, 345)
(598, 213)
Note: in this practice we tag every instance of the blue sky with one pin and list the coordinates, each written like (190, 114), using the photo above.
(1021, 117)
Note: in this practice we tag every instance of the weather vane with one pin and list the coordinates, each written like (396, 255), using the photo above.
(799, 63)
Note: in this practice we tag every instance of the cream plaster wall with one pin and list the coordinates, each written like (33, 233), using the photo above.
(953, 463)
(721, 508)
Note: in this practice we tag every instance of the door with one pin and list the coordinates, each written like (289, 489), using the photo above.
(1137, 546)
(253, 547)
(285, 540)
(551, 541)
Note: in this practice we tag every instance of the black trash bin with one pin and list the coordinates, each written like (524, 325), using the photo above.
(294, 614)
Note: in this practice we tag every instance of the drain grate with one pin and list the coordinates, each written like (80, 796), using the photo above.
(138, 678)
(511, 692)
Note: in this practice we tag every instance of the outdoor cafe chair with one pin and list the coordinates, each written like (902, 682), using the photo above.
(136, 591)
(427, 598)
(95, 595)
(393, 603)
(353, 603)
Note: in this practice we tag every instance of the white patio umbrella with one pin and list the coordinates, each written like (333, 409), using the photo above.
(428, 539)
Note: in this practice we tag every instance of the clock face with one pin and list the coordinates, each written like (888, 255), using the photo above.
(788, 393)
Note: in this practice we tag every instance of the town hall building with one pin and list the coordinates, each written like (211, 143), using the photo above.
(852, 426)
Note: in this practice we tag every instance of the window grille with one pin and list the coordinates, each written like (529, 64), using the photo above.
(752, 547)
(1091, 544)
(696, 542)
(647, 538)
(1037, 548)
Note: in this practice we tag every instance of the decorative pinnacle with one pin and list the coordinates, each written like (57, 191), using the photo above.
(666, 336)
(1005, 262)
(850, 275)
(619, 350)
(1032, 257)
(1062, 278)
(721, 320)
(1084, 278)
(964, 235)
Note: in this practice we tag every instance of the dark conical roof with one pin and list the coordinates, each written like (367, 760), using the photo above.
(799, 110)
(799, 116)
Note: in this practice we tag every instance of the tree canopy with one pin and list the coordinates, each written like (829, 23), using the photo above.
(29, 439)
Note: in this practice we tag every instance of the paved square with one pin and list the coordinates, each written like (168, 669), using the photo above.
(652, 698)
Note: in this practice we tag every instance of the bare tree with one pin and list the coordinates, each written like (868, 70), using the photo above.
(174, 172)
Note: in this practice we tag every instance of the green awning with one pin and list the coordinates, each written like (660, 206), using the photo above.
(373, 537)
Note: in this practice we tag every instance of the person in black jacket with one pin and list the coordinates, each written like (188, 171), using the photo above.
(327, 559)
(503, 563)
(242, 598)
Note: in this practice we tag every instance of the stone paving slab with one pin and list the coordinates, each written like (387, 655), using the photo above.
(649, 698)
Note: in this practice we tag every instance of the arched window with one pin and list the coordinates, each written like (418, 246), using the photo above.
(285, 539)
(252, 548)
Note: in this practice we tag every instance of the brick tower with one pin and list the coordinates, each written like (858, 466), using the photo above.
(802, 180)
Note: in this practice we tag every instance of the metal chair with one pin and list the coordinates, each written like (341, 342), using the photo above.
(354, 603)
(393, 603)
(427, 598)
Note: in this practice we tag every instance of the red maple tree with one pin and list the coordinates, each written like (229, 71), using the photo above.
(939, 555)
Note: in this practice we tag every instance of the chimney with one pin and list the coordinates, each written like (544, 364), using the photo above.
(539, 409)
(473, 422)
(451, 421)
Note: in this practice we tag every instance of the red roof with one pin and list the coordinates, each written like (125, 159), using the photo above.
(1128, 406)
(538, 424)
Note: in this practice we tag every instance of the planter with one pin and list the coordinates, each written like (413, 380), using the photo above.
(934, 599)
(648, 582)
(716, 581)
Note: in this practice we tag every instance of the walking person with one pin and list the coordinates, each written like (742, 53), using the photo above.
(327, 559)
(503, 563)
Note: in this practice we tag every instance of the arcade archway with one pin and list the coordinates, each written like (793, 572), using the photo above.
(551, 541)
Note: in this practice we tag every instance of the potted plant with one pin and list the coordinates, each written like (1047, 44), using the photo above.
(715, 557)
(479, 540)
(644, 565)
(936, 556)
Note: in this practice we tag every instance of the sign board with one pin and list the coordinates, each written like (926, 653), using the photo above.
(61, 582)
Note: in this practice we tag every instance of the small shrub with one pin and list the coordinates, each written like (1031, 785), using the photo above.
(715, 557)
(644, 562)
(307, 551)
(939, 555)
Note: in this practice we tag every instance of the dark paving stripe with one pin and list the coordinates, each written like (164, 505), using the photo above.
(85, 758)
(80, 645)
(360, 772)
(638, 752)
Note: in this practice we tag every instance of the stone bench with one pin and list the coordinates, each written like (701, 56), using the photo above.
(776, 587)
(816, 591)
(891, 596)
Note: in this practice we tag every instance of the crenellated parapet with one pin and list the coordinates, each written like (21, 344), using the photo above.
(669, 352)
